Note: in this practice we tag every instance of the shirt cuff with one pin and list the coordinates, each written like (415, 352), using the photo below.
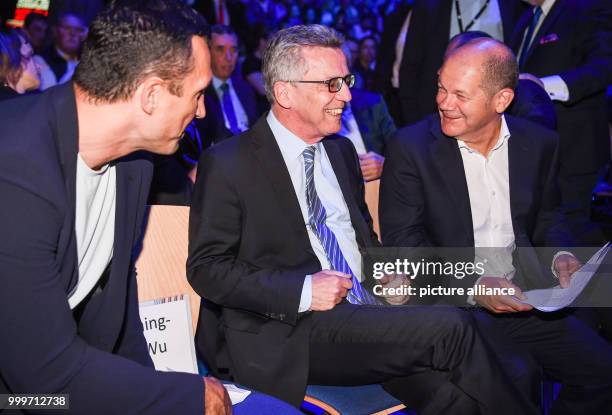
(557, 255)
(306, 298)
(556, 88)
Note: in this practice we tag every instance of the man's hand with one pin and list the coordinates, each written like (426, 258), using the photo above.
(216, 399)
(328, 289)
(371, 165)
(395, 281)
(501, 303)
(532, 78)
(566, 265)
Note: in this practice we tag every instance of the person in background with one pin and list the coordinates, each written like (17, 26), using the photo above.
(69, 33)
(366, 63)
(37, 29)
(230, 100)
(251, 67)
(368, 124)
(18, 71)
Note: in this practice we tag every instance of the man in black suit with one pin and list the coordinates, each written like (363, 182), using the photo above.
(74, 183)
(471, 177)
(230, 100)
(570, 50)
(432, 24)
(277, 225)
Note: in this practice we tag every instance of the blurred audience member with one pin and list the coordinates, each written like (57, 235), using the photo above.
(567, 44)
(367, 123)
(432, 24)
(37, 29)
(230, 100)
(389, 59)
(62, 57)
(251, 67)
(18, 71)
(366, 62)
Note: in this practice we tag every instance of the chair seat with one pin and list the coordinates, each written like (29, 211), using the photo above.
(352, 400)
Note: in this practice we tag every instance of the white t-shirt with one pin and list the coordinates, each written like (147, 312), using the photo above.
(94, 225)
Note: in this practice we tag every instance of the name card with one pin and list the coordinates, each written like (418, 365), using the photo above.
(169, 334)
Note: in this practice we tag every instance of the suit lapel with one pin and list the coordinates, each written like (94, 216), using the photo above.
(507, 11)
(448, 161)
(520, 169)
(67, 138)
(339, 165)
(271, 162)
(552, 17)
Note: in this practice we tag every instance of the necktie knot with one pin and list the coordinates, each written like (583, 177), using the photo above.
(224, 87)
(309, 154)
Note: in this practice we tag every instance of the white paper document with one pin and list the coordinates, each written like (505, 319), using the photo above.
(235, 393)
(556, 298)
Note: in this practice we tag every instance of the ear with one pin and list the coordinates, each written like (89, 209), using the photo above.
(150, 94)
(503, 99)
(282, 94)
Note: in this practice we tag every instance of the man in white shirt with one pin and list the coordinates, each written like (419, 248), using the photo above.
(278, 226)
(472, 177)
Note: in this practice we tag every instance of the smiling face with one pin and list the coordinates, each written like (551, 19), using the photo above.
(466, 110)
(315, 112)
(173, 113)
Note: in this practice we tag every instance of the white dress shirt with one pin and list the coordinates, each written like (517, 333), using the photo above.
(488, 185)
(554, 85)
(241, 116)
(489, 21)
(329, 192)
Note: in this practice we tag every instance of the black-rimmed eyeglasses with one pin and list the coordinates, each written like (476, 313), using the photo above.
(334, 84)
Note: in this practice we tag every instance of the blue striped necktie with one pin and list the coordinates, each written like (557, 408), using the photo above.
(316, 220)
(228, 108)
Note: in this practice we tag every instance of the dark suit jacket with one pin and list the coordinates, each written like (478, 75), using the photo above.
(426, 42)
(58, 65)
(386, 52)
(249, 253)
(575, 42)
(424, 199)
(100, 357)
(375, 124)
(212, 127)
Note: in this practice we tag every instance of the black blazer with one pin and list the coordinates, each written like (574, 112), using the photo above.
(575, 42)
(424, 199)
(99, 355)
(212, 127)
(249, 253)
(426, 41)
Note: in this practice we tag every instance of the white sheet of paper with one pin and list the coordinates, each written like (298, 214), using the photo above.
(556, 298)
(235, 393)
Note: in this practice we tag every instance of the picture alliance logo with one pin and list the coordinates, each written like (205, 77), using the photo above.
(413, 269)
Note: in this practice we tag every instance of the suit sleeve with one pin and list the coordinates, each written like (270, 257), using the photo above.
(214, 268)
(594, 44)
(40, 348)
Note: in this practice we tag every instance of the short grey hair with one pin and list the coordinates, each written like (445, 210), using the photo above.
(283, 60)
